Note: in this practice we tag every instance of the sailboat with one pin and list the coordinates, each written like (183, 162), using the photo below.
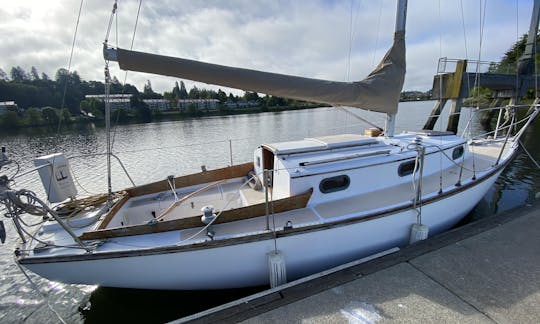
(298, 208)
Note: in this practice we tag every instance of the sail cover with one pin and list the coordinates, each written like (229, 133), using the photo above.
(379, 91)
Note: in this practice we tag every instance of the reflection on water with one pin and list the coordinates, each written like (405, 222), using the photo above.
(153, 151)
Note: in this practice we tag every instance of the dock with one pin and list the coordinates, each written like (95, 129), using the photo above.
(486, 271)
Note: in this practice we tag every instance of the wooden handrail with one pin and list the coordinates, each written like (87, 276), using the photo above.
(186, 197)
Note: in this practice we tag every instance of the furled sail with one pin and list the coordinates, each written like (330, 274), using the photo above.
(379, 91)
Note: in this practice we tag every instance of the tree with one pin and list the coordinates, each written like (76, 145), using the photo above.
(94, 106)
(173, 100)
(66, 115)
(251, 96)
(147, 89)
(10, 119)
(120, 115)
(18, 74)
(116, 86)
(142, 112)
(193, 110)
(49, 115)
(3, 75)
(273, 101)
(176, 91)
(34, 75)
(132, 90)
(70, 84)
(44, 76)
(33, 117)
(194, 93)
(148, 93)
(221, 96)
(509, 61)
(183, 92)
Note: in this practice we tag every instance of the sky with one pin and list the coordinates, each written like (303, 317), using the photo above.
(325, 39)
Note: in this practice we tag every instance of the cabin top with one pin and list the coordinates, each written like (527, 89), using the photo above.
(336, 152)
(322, 143)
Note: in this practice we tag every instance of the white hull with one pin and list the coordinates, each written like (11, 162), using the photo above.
(245, 264)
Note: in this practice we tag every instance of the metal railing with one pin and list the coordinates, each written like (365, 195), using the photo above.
(448, 65)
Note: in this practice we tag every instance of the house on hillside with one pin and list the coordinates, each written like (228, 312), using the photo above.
(8, 106)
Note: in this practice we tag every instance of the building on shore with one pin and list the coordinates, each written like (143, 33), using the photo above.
(241, 104)
(199, 104)
(8, 106)
(158, 104)
(116, 101)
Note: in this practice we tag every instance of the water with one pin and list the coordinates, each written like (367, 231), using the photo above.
(153, 151)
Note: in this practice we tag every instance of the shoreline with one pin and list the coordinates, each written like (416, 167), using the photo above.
(171, 115)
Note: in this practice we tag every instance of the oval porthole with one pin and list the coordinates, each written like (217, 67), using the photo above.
(457, 152)
(334, 184)
(406, 168)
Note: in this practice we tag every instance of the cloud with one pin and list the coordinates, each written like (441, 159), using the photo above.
(306, 38)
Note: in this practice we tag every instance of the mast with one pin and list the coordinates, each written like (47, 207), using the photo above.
(108, 130)
(401, 18)
(108, 107)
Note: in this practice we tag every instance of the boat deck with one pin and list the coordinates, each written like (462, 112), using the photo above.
(233, 195)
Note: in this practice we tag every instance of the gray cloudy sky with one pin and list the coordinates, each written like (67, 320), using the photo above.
(306, 38)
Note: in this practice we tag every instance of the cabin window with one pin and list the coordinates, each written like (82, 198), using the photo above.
(406, 168)
(457, 152)
(334, 184)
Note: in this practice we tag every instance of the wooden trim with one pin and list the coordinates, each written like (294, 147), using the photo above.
(231, 172)
(115, 208)
(281, 205)
(183, 181)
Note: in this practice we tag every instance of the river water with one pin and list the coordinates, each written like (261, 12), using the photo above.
(153, 151)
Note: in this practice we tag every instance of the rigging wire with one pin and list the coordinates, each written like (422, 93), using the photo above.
(477, 76)
(65, 88)
(377, 37)
(482, 18)
(69, 63)
(464, 26)
(348, 112)
(348, 72)
(440, 105)
(116, 29)
(464, 29)
(529, 154)
(126, 73)
(348, 65)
